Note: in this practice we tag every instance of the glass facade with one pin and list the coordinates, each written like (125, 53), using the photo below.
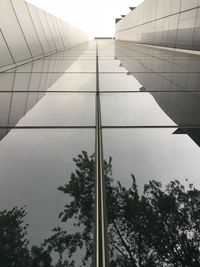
(172, 23)
(99, 155)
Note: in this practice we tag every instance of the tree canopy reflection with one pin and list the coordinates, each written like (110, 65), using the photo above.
(158, 227)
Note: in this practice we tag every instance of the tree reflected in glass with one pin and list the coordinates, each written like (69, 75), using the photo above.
(14, 250)
(157, 227)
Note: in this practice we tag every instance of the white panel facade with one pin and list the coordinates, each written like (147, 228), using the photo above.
(5, 55)
(27, 32)
(65, 32)
(12, 32)
(54, 34)
(188, 4)
(61, 32)
(46, 29)
(27, 26)
(58, 32)
(39, 28)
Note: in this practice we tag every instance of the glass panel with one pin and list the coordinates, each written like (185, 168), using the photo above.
(145, 59)
(152, 179)
(43, 178)
(196, 37)
(150, 81)
(52, 109)
(118, 82)
(47, 81)
(82, 51)
(151, 109)
(111, 66)
(186, 28)
(75, 82)
(82, 66)
(67, 65)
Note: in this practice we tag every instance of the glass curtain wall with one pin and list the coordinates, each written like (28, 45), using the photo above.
(99, 158)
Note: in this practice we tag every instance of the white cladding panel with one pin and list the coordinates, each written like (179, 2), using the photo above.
(39, 28)
(46, 29)
(5, 56)
(12, 32)
(27, 26)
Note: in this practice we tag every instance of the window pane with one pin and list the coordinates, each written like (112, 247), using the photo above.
(31, 81)
(151, 109)
(47, 109)
(152, 180)
(44, 172)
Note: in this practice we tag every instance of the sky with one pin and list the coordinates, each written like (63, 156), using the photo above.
(96, 17)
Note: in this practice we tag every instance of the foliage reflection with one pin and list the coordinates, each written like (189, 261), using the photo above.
(158, 227)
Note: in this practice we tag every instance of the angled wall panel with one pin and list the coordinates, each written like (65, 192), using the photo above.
(5, 101)
(72, 35)
(5, 56)
(65, 33)
(39, 28)
(58, 32)
(22, 80)
(67, 26)
(70, 38)
(196, 39)
(7, 81)
(61, 32)
(186, 27)
(188, 4)
(27, 32)
(12, 32)
(46, 29)
(54, 34)
(27, 26)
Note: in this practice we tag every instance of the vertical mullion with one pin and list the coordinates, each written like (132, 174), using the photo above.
(101, 258)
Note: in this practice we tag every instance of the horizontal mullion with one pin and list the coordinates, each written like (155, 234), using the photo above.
(150, 126)
(47, 127)
(47, 92)
(104, 72)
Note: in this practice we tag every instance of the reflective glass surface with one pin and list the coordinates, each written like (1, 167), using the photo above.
(156, 81)
(31, 81)
(147, 113)
(47, 109)
(149, 59)
(152, 192)
(118, 82)
(84, 65)
(75, 82)
(63, 65)
(108, 65)
(39, 185)
(150, 109)
(151, 173)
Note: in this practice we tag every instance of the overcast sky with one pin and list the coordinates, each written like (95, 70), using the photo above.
(96, 17)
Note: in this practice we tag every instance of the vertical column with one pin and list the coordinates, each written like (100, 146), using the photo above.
(101, 244)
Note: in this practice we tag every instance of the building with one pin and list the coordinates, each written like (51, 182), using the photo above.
(99, 148)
